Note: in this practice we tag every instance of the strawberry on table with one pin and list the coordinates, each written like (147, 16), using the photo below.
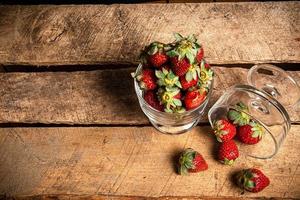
(155, 54)
(146, 79)
(224, 130)
(238, 115)
(194, 98)
(151, 98)
(252, 180)
(250, 133)
(228, 152)
(191, 161)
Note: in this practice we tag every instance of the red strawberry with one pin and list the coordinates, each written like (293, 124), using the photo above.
(146, 79)
(171, 99)
(187, 84)
(206, 65)
(200, 55)
(155, 54)
(252, 180)
(191, 161)
(180, 67)
(250, 133)
(178, 96)
(158, 59)
(194, 98)
(224, 130)
(151, 98)
(228, 152)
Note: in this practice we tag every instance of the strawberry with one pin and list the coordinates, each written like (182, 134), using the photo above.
(250, 133)
(224, 130)
(200, 55)
(194, 98)
(167, 78)
(178, 96)
(155, 54)
(228, 152)
(191, 161)
(146, 79)
(206, 64)
(183, 53)
(158, 59)
(238, 115)
(151, 98)
(187, 84)
(170, 98)
(252, 180)
(180, 67)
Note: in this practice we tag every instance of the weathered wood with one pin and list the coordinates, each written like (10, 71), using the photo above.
(110, 197)
(132, 162)
(93, 34)
(94, 97)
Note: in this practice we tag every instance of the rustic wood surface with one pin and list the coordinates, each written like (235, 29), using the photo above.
(130, 161)
(112, 197)
(94, 97)
(91, 34)
(124, 158)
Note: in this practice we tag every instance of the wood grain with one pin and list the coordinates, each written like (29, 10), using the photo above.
(131, 162)
(99, 34)
(112, 197)
(94, 97)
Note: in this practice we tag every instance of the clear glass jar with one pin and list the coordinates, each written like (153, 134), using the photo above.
(171, 123)
(263, 109)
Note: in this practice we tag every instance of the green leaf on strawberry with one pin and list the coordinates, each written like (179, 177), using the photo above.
(167, 78)
(185, 47)
(192, 72)
(238, 115)
(228, 162)
(205, 75)
(168, 98)
(257, 130)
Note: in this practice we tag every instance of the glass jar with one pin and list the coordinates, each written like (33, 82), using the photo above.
(262, 109)
(270, 92)
(171, 123)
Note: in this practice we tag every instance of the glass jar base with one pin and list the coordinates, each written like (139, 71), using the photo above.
(174, 130)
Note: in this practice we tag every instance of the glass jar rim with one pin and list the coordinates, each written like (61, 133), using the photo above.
(171, 114)
(267, 97)
(270, 67)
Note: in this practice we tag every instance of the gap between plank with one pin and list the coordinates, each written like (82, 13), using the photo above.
(28, 125)
(73, 68)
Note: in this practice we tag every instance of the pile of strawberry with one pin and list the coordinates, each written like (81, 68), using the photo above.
(239, 124)
(174, 77)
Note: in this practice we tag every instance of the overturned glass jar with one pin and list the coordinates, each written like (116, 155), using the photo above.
(258, 110)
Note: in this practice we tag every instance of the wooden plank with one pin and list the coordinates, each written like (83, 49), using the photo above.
(99, 34)
(110, 197)
(94, 97)
(204, 1)
(129, 162)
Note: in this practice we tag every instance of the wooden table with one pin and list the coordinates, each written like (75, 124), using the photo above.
(71, 124)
